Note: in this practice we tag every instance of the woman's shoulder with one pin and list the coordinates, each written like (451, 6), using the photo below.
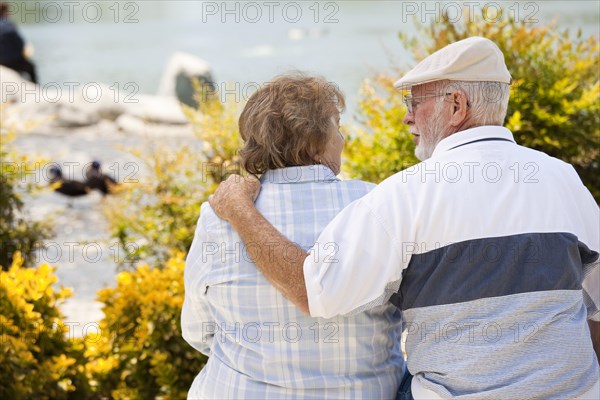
(209, 220)
(359, 185)
(206, 211)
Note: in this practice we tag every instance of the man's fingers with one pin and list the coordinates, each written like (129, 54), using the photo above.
(211, 201)
(254, 185)
(232, 192)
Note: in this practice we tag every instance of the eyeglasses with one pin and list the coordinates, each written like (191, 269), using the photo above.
(411, 104)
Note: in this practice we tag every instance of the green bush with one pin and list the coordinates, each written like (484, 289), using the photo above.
(381, 146)
(555, 97)
(37, 359)
(141, 353)
(16, 232)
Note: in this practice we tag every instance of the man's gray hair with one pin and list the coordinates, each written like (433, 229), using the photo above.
(488, 101)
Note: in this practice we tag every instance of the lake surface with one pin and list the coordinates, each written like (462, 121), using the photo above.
(346, 41)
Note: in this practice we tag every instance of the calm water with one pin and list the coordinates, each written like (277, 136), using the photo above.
(130, 42)
(123, 42)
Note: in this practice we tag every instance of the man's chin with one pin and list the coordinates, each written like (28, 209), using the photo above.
(421, 153)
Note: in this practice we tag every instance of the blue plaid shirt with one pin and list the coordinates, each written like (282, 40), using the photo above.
(260, 345)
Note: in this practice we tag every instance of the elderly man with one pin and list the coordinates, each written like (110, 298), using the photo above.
(489, 249)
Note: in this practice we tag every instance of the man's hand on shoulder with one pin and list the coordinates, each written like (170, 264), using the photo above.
(234, 202)
(234, 196)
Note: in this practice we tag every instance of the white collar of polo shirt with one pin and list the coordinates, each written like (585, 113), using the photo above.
(467, 136)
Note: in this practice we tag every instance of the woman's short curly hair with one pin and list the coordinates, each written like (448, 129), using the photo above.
(287, 122)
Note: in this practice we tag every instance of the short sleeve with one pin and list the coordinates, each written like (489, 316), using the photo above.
(196, 326)
(591, 289)
(589, 248)
(197, 322)
(355, 264)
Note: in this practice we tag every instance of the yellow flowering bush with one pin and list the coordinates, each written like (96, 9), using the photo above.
(140, 353)
(37, 358)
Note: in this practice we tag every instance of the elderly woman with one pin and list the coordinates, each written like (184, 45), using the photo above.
(260, 345)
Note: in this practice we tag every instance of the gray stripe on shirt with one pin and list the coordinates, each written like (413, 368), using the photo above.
(492, 267)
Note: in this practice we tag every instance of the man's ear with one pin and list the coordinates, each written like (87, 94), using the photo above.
(460, 107)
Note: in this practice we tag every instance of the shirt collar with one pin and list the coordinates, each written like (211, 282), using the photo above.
(467, 136)
(305, 173)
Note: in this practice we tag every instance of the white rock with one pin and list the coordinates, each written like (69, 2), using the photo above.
(133, 125)
(103, 101)
(12, 86)
(64, 106)
(157, 109)
(74, 115)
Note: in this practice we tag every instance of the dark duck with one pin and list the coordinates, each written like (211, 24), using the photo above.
(95, 179)
(66, 187)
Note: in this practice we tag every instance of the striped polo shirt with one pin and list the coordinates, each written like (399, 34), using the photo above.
(490, 249)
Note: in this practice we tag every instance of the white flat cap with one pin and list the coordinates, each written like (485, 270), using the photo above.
(474, 59)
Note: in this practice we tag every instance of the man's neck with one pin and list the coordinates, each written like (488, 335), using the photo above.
(466, 125)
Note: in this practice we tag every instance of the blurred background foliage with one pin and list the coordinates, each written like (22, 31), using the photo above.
(17, 232)
(380, 145)
(155, 218)
(139, 352)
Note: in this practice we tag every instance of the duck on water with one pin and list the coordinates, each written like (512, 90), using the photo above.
(95, 180)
